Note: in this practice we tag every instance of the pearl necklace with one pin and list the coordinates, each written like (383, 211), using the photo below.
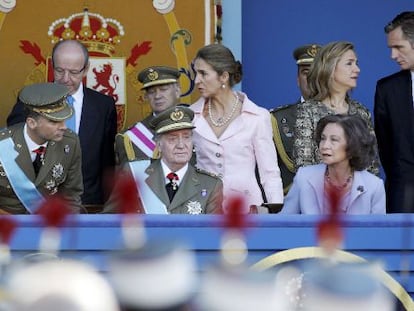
(220, 121)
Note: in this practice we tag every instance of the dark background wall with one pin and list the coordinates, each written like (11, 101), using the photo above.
(272, 29)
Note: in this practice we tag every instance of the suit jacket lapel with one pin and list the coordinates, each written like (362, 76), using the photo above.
(358, 187)
(23, 159)
(204, 130)
(236, 126)
(86, 114)
(317, 183)
(50, 155)
(409, 100)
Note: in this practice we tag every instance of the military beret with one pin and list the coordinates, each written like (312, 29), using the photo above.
(172, 119)
(306, 53)
(158, 75)
(47, 99)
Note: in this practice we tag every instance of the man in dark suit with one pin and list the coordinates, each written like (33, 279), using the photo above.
(394, 117)
(162, 91)
(94, 122)
(172, 185)
(40, 157)
(284, 117)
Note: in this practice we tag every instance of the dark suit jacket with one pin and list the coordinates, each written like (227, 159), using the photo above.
(394, 128)
(61, 172)
(97, 136)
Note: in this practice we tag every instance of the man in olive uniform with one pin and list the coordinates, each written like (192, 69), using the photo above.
(284, 117)
(40, 158)
(171, 184)
(162, 91)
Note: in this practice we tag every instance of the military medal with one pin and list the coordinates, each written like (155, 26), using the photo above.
(66, 149)
(203, 192)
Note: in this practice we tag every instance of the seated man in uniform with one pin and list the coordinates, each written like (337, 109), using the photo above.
(284, 117)
(162, 91)
(40, 158)
(172, 185)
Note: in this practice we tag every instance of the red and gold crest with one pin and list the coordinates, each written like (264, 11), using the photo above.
(122, 38)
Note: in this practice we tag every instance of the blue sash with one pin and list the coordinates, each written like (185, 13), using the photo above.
(151, 203)
(24, 188)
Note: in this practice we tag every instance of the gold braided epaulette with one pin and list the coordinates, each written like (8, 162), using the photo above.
(5, 133)
(277, 109)
(199, 170)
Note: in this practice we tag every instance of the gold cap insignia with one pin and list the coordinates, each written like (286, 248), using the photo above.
(313, 50)
(152, 75)
(177, 115)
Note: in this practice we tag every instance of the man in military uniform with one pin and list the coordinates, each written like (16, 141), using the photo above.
(172, 185)
(162, 91)
(40, 158)
(284, 117)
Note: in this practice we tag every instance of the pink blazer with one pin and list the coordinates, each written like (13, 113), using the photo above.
(233, 156)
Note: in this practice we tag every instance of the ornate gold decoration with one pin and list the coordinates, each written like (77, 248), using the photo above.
(99, 34)
(152, 75)
(313, 50)
(177, 115)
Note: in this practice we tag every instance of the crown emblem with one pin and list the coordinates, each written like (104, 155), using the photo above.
(152, 75)
(177, 115)
(313, 50)
(99, 34)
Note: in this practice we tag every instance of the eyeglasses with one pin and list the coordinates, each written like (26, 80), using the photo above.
(72, 72)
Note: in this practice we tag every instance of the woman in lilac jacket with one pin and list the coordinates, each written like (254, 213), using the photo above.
(233, 134)
(346, 147)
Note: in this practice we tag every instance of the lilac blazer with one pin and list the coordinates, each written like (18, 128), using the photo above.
(307, 193)
(233, 156)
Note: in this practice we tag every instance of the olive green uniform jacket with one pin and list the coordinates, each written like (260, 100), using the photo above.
(60, 174)
(198, 193)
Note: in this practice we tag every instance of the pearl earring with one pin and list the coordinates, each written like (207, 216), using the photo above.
(223, 86)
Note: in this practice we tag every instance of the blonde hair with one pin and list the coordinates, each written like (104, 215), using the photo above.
(321, 73)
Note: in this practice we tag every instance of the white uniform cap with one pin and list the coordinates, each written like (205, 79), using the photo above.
(344, 287)
(241, 289)
(159, 275)
(65, 285)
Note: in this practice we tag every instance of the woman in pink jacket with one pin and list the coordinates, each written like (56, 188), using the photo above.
(233, 134)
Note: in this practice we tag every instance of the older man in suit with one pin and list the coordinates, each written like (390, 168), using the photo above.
(94, 120)
(394, 117)
(172, 185)
(40, 158)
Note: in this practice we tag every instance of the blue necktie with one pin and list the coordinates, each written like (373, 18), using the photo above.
(71, 122)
